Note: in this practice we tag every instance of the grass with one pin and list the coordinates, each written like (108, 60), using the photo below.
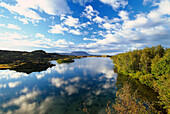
(5, 66)
(65, 60)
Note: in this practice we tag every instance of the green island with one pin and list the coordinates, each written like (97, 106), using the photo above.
(65, 60)
(151, 66)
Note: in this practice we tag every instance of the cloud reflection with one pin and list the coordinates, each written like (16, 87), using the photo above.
(26, 104)
(2, 85)
(89, 78)
(14, 84)
(71, 89)
(90, 66)
(22, 99)
(10, 74)
(58, 82)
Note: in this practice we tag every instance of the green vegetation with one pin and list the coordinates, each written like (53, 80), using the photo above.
(151, 66)
(27, 61)
(65, 60)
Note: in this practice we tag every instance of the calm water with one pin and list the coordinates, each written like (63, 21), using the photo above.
(60, 89)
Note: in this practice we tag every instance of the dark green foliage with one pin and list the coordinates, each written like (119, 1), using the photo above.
(151, 66)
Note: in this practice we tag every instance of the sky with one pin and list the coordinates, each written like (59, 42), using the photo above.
(95, 26)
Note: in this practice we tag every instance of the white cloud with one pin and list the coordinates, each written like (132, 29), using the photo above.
(68, 21)
(158, 30)
(164, 7)
(71, 21)
(124, 15)
(54, 7)
(2, 25)
(58, 29)
(154, 16)
(20, 42)
(115, 3)
(26, 8)
(116, 34)
(98, 19)
(11, 36)
(17, 41)
(14, 84)
(89, 12)
(109, 38)
(24, 20)
(75, 32)
(85, 24)
(82, 2)
(62, 43)
(140, 21)
(3, 16)
(21, 10)
(39, 35)
(109, 26)
(12, 26)
(90, 39)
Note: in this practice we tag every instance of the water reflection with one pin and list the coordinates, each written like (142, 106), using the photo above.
(60, 89)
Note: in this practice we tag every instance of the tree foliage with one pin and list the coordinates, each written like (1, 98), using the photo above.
(151, 66)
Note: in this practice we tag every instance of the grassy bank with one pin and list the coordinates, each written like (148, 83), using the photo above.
(65, 60)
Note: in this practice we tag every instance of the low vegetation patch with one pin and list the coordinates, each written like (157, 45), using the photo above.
(65, 60)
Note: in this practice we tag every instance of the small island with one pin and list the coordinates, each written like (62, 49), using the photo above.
(65, 60)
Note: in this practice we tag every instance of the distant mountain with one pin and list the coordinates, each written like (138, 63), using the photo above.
(77, 53)
(80, 53)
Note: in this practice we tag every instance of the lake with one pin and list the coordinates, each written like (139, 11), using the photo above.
(61, 89)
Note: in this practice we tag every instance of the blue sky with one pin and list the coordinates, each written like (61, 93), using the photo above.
(95, 26)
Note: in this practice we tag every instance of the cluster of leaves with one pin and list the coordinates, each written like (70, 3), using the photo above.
(151, 66)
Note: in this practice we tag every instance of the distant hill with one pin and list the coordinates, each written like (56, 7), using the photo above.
(77, 53)
(7, 56)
